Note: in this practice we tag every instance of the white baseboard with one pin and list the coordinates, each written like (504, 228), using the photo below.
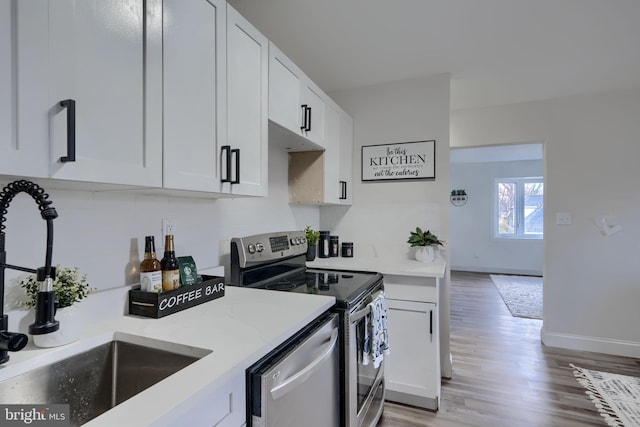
(496, 270)
(592, 344)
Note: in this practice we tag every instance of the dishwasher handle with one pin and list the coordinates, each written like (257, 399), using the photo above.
(302, 375)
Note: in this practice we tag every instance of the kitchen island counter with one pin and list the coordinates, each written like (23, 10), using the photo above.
(238, 329)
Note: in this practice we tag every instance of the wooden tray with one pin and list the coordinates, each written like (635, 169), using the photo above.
(150, 304)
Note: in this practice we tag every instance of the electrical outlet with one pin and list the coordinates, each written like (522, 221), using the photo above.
(167, 228)
(563, 218)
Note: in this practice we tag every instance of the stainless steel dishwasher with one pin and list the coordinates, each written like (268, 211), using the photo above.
(298, 383)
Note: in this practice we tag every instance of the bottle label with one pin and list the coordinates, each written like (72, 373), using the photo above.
(170, 280)
(151, 281)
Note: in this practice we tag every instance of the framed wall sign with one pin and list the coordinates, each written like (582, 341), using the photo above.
(405, 160)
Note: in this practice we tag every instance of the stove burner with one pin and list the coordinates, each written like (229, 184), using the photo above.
(281, 286)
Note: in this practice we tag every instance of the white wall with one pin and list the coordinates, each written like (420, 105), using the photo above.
(592, 147)
(102, 233)
(384, 213)
(473, 245)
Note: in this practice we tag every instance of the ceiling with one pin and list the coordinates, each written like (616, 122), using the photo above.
(496, 51)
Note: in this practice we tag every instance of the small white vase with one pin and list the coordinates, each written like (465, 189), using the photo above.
(70, 329)
(425, 254)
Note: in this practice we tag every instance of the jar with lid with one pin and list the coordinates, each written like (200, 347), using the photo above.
(347, 249)
(333, 246)
(323, 245)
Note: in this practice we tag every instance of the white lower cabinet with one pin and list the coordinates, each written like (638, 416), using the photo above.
(225, 406)
(413, 367)
(228, 404)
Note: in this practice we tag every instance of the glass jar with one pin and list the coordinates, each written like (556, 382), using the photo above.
(323, 245)
(334, 244)
(347, 249)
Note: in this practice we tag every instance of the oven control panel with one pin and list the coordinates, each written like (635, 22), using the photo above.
(262, 248)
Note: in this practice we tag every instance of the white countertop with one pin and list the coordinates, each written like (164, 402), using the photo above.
(398, 267)
(238, 329)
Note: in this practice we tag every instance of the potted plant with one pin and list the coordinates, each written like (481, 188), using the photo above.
(70, 287)
(425, 241)
(312, 237)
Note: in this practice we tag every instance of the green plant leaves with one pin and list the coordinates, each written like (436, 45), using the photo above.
(311, 235)
(69, 286)
(423, 238)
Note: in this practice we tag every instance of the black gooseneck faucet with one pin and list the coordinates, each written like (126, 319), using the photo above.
(45, 307)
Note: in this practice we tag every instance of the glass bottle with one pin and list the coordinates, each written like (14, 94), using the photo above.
(150, 268)
(170, 268)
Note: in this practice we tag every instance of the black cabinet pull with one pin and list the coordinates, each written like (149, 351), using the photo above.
(304, 117)
(70, 106)
(236, 151)
(225, 156)
(343, 190)
(308, 128)
(430, 322)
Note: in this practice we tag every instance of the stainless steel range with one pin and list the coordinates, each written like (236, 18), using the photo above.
(276, 261)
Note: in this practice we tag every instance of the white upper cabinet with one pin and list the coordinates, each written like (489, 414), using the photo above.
(338, 155)
(345, 162)
(332, 186)
(105, 91)
(194, 83)
(284, 91)
(313, 100)
(324, 177)
(24, 127)
(295, 103)
(247, 106)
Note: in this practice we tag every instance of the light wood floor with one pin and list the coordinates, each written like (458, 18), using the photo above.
(502, 374)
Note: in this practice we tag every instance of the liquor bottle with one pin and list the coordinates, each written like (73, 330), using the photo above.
(170, 267)
(150, 268)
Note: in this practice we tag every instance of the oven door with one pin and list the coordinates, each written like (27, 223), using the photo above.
(365, 383)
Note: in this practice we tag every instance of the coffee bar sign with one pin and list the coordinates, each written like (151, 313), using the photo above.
(406, 160)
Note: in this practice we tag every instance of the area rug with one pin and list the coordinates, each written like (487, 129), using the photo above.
(521, 294)
(617, 397)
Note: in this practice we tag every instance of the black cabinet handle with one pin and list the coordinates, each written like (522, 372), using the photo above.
(304, 117)
(343, 190)
(430, 322)
(308, 128)
(225, 156)
(70, 106)
(236, 151)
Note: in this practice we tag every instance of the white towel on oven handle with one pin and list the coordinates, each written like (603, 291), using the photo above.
(376, 341)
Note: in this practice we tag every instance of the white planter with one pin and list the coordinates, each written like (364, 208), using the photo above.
(425, 253)
(71, 324)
